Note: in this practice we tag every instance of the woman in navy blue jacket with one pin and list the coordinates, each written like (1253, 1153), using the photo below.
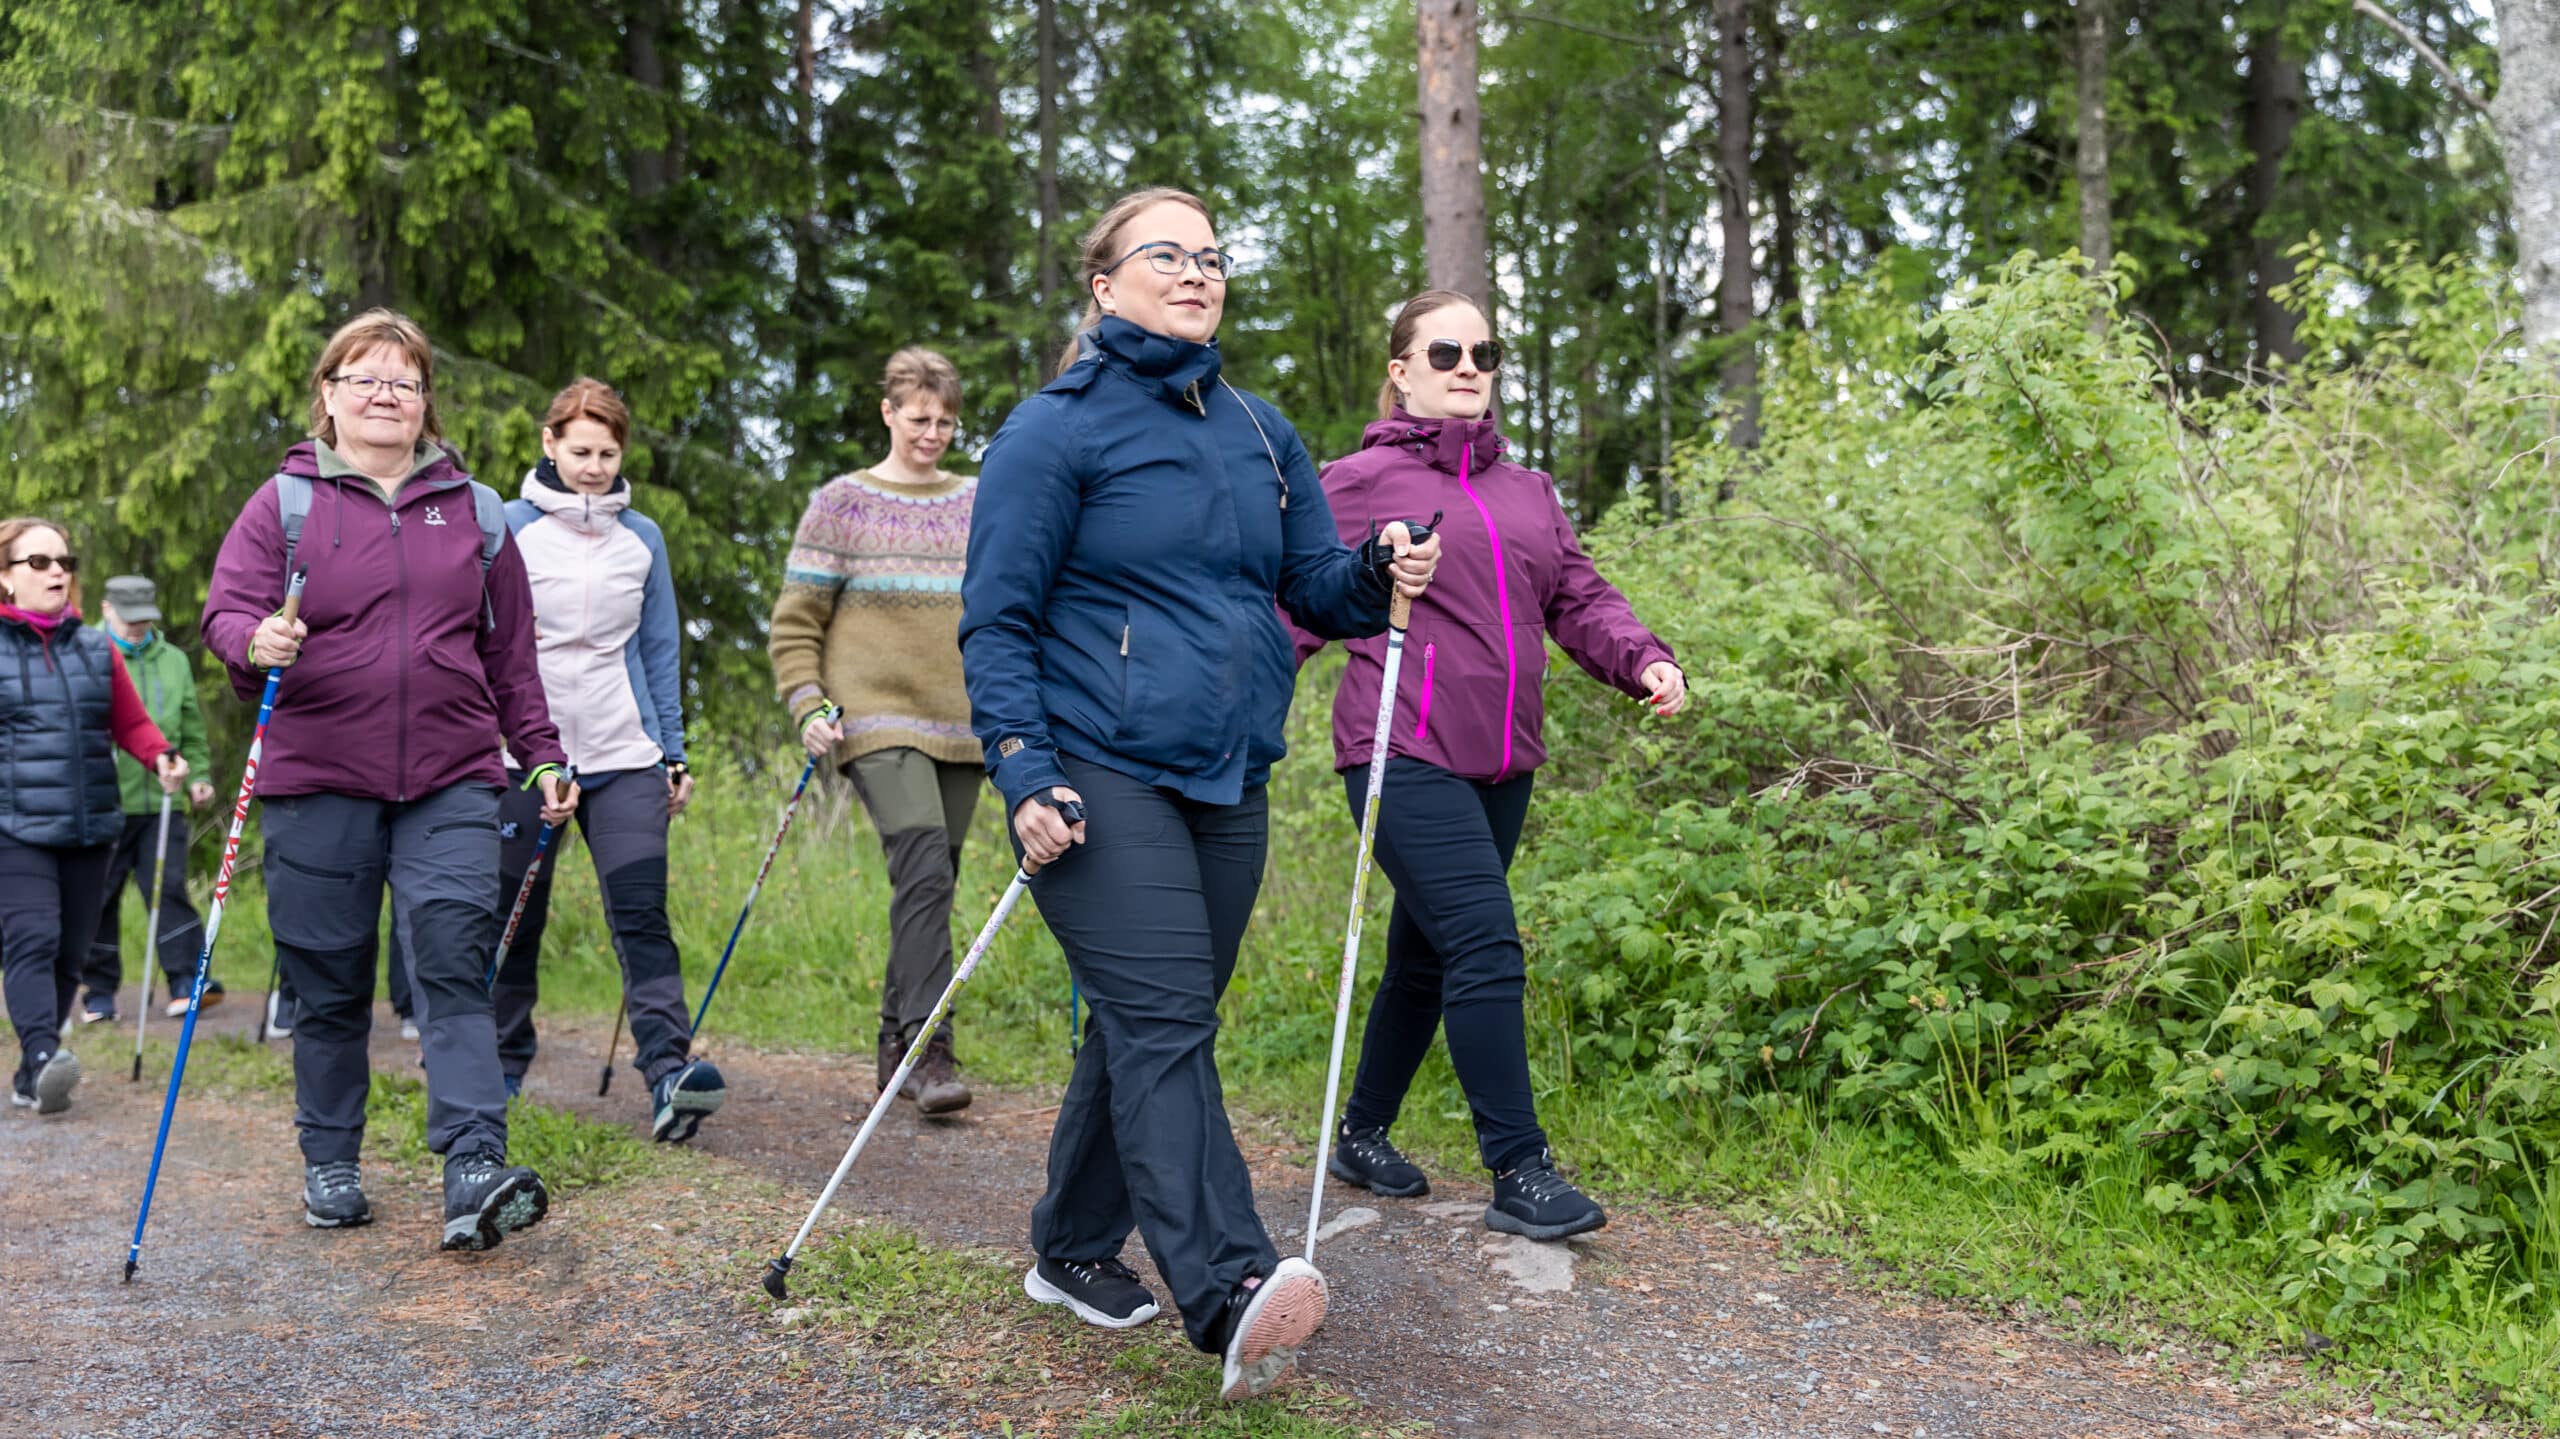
(1135, 522)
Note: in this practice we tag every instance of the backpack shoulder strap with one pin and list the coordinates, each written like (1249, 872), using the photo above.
(293, 506)
(491, 514)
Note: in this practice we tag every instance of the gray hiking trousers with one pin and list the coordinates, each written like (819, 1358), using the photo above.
(327, 859)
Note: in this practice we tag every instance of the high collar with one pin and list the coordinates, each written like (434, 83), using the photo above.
(1442, 442)
(431, 463)
(570, 507)
(1181, 371)
(67, 617)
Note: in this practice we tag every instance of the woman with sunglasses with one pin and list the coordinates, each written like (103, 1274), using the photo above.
(412, 660)
(866, 654)
(1465, 742)
(66, 707)
(1137, 520)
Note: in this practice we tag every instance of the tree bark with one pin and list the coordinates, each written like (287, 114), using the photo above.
(2275, 107)
(1779, 165)
(2527, 117)
(1740, 380)
(1048, 181)
(1453, 225)
(2097, 219)
(652, 168)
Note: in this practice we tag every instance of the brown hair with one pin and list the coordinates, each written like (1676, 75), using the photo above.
(1400, 335)
(374, 329)
(9, 532)
(588, 399)
(1102, 246)
(915, 371)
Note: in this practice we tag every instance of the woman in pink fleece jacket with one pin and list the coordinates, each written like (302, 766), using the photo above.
(1465, 742)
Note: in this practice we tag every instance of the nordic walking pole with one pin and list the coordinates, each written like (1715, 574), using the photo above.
(777, 1271)
(212, 928)
(524, 891)
(753, 890)
(151, 945)
(604, 1076)
(1399, 619)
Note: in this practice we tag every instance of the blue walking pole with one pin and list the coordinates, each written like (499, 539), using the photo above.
(212, 928)
(757, 888)
(524, 891)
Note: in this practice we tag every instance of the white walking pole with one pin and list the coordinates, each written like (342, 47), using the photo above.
(151, 949)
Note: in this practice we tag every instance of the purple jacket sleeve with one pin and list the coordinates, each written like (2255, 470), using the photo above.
(507, 657)
(1342, 485)
(248, 585)
(1592, 621)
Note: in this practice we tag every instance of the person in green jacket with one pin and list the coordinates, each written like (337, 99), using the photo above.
(166, 679)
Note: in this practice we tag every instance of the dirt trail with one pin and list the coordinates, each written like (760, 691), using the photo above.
(246, 1322)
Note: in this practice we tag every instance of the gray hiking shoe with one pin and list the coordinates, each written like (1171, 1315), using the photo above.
(333, 1195)
(486, 1199)
(55, 1080)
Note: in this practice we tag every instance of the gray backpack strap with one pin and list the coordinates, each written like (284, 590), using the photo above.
(293, 505)
(491, 514)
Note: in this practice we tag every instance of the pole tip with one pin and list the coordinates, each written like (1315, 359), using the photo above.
(137, 1069)
(776, 1277)
(130, 1265)
(604, 1082)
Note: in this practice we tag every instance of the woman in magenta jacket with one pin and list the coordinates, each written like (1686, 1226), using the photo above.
(1465, 743)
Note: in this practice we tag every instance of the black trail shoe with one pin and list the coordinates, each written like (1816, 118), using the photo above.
(486, 1199)
(683, 1099)
(1100, 1291)
(1534, 1201)
(54, 1082)
(1267, 1322)
(333, 1195)
(1363, 1157)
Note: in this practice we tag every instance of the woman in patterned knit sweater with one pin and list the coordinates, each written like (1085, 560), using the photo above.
(869, 620)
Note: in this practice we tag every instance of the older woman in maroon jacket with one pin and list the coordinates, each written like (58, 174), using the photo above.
(413, 658)
(1465, 743)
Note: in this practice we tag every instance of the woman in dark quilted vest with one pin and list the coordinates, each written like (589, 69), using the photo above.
(66, 706)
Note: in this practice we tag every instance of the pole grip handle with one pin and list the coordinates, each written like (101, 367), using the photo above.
(1400, 612)
(293, 596)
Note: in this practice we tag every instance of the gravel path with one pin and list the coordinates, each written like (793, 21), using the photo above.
(601, 1321)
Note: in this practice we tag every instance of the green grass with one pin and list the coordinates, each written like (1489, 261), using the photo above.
(907, 1298)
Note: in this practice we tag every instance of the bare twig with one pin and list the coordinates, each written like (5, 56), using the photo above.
(2426, 52)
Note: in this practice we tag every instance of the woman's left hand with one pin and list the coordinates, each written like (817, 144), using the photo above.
(1413, 563)
(1670, 688)
(679, 791)
(173, 770)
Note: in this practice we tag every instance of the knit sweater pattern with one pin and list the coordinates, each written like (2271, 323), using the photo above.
(869, 615)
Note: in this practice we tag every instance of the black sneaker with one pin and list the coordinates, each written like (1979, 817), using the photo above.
(1100, 1291)
(486, 1199)
(1534, 1201)
(177, 1004)
(1266, 1325)
(333, 1195)
(99, 1011)
(682, 1099)
(1364, 1157)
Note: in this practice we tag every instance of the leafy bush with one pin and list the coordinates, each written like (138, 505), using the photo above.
(2086, 773)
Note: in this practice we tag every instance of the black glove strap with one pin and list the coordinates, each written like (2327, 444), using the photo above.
(1070, 810)
(1379, 557)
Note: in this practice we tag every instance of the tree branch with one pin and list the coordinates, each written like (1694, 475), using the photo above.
(2426, 52)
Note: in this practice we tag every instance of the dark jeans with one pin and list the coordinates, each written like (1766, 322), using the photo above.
(1150, 910)
(328, 858)
(1453, 953)
(624, 823)
(921, 807)
(48, 912)
(181, 928)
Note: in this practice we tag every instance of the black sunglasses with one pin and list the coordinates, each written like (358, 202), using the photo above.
(1444, 354)
(41, 563)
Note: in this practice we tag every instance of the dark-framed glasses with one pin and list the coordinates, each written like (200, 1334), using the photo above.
(1167, 258)
(1444, 354)
(41, 563)
(365, 387)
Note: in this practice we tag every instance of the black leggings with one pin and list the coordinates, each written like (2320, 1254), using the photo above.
(49, 902)
(1453, 953)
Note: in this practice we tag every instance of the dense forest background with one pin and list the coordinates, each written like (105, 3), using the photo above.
(2090, 458)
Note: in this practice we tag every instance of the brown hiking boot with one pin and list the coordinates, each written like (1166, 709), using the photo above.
(891, 1051)
(935, 1085)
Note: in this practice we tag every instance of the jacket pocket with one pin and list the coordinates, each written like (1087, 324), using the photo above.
(1173, 712)
(311, 906)
(1422, 715)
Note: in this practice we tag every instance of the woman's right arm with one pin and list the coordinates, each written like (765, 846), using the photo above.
(248, 585)
(812, 579)
(1020, 529)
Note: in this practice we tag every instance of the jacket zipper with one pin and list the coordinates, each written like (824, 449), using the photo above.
(400, 589)
(1502, 598)
(1422, 721)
